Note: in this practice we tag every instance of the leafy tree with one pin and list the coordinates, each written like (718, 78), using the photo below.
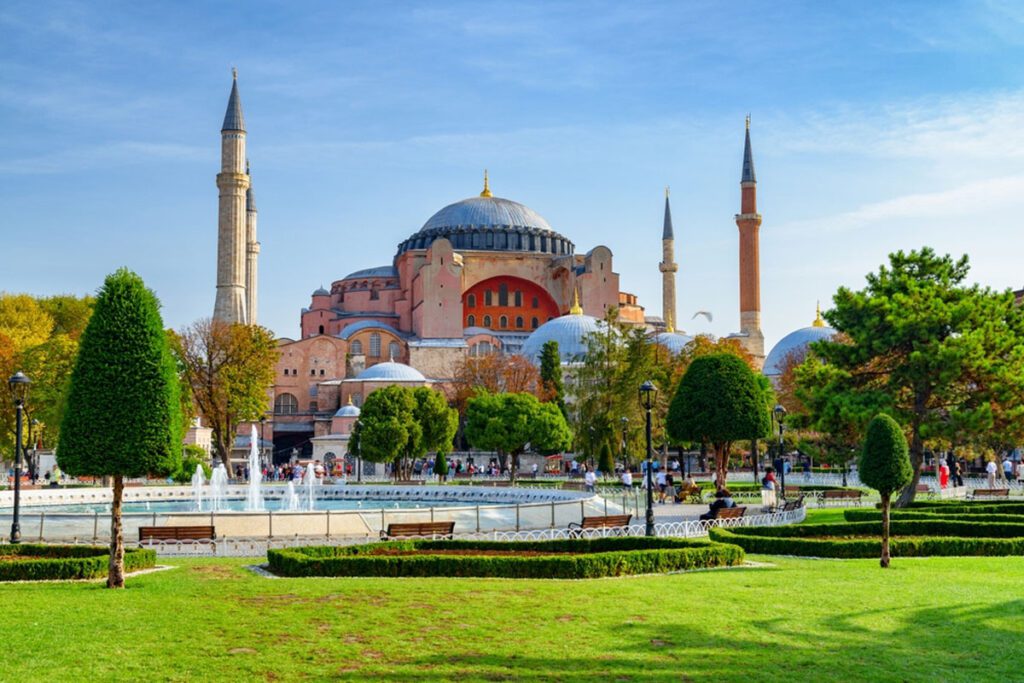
(70, 313)
(885, 467)
(551, 375)
(122, 418)
(943, 357)
(24, 321)
(228, 369)
(494, 373)
(719, 400)
(509, 423)
(387, 428)
(193, 457)
(438, 423)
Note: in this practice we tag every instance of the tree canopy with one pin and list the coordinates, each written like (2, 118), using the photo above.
(885, 467)
(719, 400)
(551, 375)
(398, 424)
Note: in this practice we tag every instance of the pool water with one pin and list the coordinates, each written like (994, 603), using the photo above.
(238, 505)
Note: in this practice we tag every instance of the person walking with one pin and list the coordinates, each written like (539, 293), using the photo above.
(590, 480)
(1007, 469)
(990, 470)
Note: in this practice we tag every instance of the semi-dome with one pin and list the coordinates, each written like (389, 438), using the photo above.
(795, 341)
(349, 410)
(569, 331)
(489, 223)
(320, 291)
(390, 371)
(675, 342)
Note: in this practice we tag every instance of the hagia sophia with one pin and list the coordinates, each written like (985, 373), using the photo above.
(482, 275)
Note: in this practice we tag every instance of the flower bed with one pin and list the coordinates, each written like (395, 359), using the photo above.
(30, 562)
(560, 559)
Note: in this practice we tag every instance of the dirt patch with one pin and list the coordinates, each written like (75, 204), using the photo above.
(241, 651)
(24, 558)
(470, 552)
(212, 570)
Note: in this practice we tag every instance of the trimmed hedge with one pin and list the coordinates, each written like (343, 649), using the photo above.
(866, 515)
(931, 538)
(1013, 507)
(66, 562)
(590, 558)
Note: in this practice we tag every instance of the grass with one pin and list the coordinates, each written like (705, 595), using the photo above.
(797, 620)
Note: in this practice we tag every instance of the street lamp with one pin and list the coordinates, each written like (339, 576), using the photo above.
(263, 440)
(779, 416)
(625, 425)
(18, 384)
(648, 393)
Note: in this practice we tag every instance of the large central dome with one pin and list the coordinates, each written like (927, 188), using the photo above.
(488, 223)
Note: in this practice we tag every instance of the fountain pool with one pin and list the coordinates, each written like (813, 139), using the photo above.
(278, 504)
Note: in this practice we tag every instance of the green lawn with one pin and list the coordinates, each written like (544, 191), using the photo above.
(949, 619)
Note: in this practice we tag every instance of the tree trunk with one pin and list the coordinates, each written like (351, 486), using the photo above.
(721, 465)
(702, 459)
(885, 529)
(916, 459)
(514, 469)
(115, 573)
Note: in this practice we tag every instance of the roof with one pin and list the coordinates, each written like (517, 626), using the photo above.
(748, 159)
(795, 341)
(366, 325)
(347, 411)
(391, 372)
(379, 271)
(569, 331)
(675, 342)
(666, 232)
(486, 211)
(233, 119)
(320, 291)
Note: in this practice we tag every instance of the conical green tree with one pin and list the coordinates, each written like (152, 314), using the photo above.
(885, 467)
(551, 375)
(605, 460)
(123, 416)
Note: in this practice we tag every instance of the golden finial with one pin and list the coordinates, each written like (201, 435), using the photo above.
(350, 400)
(234, 74)
(748, 121)
(487, 187)
(669, 327)
(576, 309)
(818, 322)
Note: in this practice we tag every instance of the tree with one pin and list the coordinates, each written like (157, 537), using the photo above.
(942, 357)
(122, 418)
(509, 423)
(228, 369)
(551, 375)
(719, 400)
(885, 467)
(605, 460)
(387, 428)
(494, 373)
(438, 423)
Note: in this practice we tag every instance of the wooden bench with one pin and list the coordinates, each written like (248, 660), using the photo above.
(419, 530)
(617, 522)
(791, 505)
(176, 533)
(990, 493)
(729, 513)
(841, 495)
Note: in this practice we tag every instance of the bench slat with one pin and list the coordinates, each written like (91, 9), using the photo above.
(176, 533)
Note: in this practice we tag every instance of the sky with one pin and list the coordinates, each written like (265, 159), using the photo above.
(876, 126)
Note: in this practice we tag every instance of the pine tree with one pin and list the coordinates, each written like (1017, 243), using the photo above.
(551, 375)
(123, 416)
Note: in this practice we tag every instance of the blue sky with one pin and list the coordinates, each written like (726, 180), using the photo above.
(876, 126)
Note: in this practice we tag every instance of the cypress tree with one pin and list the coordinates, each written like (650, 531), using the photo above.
(605, 460)
(885, 467)
(551, 375)
(123, 416)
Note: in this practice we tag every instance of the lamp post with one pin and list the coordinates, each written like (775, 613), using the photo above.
(624, 421)
(33, 462)
(779, 416)
(18, 384)
(263, 441)
(648, 392)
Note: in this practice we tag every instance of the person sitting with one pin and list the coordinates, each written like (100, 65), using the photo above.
(688, 488)
(723, 499)
(769, 487)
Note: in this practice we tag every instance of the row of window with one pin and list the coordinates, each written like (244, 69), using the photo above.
(295, 373)
(394, 348)
(287, 404)
(517, 297)
(502, 322)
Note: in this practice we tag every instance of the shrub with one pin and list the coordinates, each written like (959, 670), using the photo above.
(866, 515)
(66, 562)
(583, 558)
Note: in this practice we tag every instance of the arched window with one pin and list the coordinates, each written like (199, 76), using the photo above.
(357, 400)
(286, 372)
(536, 303)
(534, 323)
(482, 349)
(321, 329)
(471, 301)
(395, 350)
(519, 322)
(471, 320)
(518, 298)
(503, 294)
(375, 345)
(488, 298)
(285, 404)
(503, 322)
(356, 348)
(487, 321)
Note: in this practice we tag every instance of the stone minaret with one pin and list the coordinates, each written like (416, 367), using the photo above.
(252, 251)
(232, 181)
(749, 223)
(668, 270)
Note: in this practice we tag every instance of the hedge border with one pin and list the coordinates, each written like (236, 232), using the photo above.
(67, 562)
(591, 558)
(789, 541)
(867, 515)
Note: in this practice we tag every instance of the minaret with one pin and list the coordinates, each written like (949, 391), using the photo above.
(232, 182)
(252, 252)
(749, 223)
(668, 269)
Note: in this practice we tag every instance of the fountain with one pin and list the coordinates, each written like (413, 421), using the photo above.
(218, 487)
(198, 479)
(291, 502)
(254, 497)
(311, 482)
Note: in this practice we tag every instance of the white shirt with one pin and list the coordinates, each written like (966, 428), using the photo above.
(627, 478)
(589, 478)
(659, 479)
(991, 467)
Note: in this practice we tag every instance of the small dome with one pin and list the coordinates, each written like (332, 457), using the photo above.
(796, 341)
(569, 331)
(675, 342)
(390, 371)
(320, 291)
(348, 411)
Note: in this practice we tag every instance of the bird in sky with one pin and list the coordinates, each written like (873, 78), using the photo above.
(706, 314)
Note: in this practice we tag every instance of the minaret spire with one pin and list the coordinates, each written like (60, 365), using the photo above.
(668, 268)
(232, 218)
(749, 223)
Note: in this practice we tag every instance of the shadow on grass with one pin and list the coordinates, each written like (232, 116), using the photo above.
(958, 643)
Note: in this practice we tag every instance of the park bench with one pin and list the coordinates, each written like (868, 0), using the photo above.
(693, 493)
(419, 530)
(617, 522)
(729, 513)
(841, 495)
(990, 493)
(176, 533)
(791, 505)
